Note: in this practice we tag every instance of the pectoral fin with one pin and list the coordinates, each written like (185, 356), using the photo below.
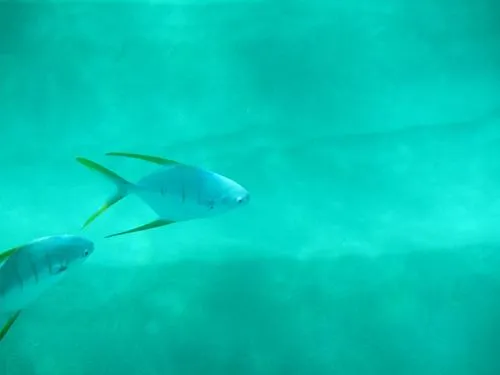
(7, 326)
(152, 225)
(7, 253)
(151, 159)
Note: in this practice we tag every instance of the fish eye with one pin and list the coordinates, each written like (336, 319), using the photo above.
(241, 200)
(85, 252)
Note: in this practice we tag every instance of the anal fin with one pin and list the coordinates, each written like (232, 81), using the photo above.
(8, 325)
(151, 159)
(154, 224)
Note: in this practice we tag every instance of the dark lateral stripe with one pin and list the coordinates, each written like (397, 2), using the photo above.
(49, 263)
(198, 187)
(18, 275)
(33, 267)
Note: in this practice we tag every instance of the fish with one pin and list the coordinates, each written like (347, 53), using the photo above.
(175, 191)
(27, 271)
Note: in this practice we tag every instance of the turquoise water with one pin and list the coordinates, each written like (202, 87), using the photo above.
(367, 133)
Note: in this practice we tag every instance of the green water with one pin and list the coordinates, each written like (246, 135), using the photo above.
(367, 133)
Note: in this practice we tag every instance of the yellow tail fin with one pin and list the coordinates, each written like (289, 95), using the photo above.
(122, 187)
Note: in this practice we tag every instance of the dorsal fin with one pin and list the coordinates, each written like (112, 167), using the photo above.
(151, 159)
(7, 253)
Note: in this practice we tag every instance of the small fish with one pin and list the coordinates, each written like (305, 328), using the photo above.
(175, 192)
(27, 271)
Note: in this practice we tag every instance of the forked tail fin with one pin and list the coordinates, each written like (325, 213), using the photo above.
(122, 187)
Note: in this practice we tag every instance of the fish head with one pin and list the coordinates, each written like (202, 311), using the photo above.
(69, 250)
(234, 195)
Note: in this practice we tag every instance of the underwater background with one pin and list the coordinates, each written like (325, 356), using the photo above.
(367, 132)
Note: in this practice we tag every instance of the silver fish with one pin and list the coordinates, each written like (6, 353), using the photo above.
(175, 192)
(27, 271)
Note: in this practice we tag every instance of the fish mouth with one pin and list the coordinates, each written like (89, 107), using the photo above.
(89, 249)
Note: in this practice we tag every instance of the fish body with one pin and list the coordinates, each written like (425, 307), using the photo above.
(175, 191)
(181, 192)
(38, 265)
(29, 270)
